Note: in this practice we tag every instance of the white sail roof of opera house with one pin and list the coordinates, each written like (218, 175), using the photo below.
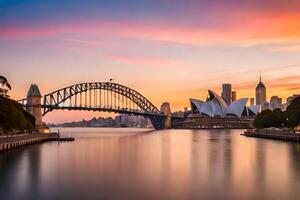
(217, 100)
(206, 109)
(255, 109)
(197, 103)
(215, 106)
(237, 107)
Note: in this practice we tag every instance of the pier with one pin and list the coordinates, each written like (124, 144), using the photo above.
(11, 142)
(284, 135)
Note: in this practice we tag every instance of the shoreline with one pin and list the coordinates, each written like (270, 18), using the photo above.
(284, 135)
(7, 143)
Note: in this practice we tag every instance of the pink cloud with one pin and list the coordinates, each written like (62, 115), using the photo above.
(86, 42)
(237, 26)
(143, 60)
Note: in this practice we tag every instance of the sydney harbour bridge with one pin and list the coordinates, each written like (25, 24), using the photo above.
(97, 96)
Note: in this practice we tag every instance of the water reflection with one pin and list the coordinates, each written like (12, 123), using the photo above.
(143, 164)
(17, 168)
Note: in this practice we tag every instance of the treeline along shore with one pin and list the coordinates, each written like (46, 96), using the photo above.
(278, 124)
(13, 118)
(17, 126)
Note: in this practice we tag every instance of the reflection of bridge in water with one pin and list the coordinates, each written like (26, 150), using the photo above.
(97, 96)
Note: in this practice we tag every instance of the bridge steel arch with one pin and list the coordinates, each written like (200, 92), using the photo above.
(56, 99)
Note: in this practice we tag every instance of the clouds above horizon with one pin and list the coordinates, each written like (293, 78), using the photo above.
(178, 46)
(192, 22)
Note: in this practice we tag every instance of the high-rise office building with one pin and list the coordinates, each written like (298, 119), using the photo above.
(233, 96)
(261, 93)
(226, 93)
(275, 102)
(252, 101)
(266, 105)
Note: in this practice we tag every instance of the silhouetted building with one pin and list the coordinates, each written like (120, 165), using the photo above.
(233, 96)
(275, 102)
(226, 93)
(261, 93)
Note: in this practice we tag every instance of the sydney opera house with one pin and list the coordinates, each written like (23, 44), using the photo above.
(215, 113)
(215, 106)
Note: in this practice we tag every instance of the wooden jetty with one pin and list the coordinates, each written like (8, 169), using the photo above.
(273, 134)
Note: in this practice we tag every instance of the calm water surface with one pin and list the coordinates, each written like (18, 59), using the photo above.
(144, 164)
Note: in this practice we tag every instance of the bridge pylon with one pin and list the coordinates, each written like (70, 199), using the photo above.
(33, 106)
(166, 110)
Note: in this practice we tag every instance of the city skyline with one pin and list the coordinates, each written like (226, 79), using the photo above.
(162, 55)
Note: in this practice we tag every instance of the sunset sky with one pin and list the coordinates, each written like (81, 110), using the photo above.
(169, 50)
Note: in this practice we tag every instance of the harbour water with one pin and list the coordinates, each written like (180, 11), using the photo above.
(112, 163)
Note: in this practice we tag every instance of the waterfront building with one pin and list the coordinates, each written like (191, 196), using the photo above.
(275, 102)
(261, 93)
(215, 113)
(266, 105)
(233, 96)
(216, 107)
(133, 120)
(226, 93)
(252, 101)
(124, 119)
(118, 119)
(284, 106)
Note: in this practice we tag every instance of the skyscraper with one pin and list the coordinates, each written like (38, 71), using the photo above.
(251, 101)
(275, 102)
(233, 96)
(261, 93)
(226, 93)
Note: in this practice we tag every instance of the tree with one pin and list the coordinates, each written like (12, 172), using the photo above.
(268, 118)
(293, 113)
(14, 117)
(262, 119)
(278, 118)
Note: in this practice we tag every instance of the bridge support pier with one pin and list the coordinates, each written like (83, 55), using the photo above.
(34, 105)
(166, 110)
(162, 122)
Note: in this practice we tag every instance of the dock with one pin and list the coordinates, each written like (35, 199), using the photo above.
(63, 139)
(284, 135)
(16, 141)
(11, 142)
